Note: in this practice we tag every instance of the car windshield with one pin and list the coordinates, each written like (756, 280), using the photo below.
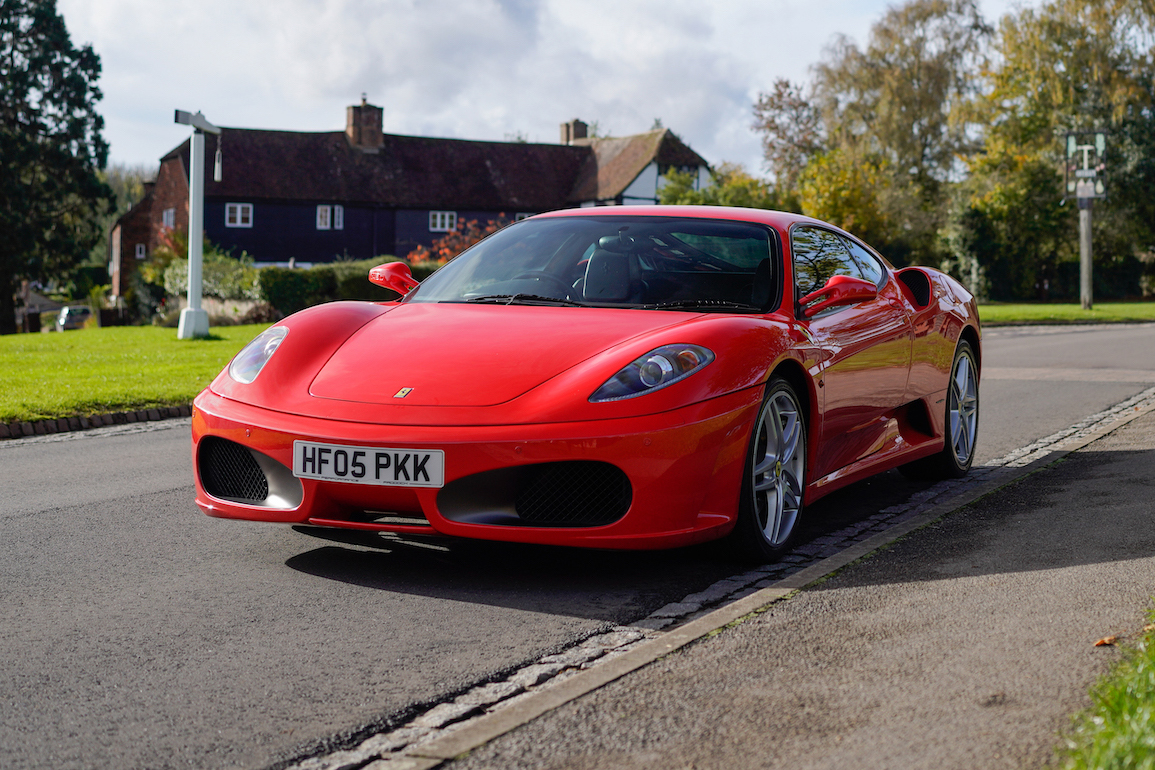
(614, 261)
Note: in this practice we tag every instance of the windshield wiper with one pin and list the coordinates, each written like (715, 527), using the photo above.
(525, 299)
(703, 304)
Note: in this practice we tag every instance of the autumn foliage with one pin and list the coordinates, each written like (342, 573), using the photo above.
(456, 241)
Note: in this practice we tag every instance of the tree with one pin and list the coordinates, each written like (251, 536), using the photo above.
(732, 186)
(906, 95)
(1011, 230)
(791, 131)
(843, 189)
(1065, 65)
(894, 115)
(51, 149)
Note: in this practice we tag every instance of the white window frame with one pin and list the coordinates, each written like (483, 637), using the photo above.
(324, 217)
(338, 217)
(168, 218)
(240, 214)
(140, 252)
(442, 221)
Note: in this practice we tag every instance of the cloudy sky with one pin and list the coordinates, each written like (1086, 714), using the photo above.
(470, 69)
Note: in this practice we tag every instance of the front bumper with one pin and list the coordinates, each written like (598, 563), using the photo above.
(684, 471)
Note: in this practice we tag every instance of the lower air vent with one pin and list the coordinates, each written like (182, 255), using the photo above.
(229, 471)
(574, 494)
(578, 493)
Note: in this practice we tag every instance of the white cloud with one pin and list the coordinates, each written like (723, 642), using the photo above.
(481, 69)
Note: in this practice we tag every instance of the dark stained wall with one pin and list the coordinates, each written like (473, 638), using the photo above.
(288, 230)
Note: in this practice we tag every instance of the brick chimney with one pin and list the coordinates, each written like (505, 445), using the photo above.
(574, 129)
(363, 126)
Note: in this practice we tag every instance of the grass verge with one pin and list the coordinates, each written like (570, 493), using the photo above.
(1101, 312)
(1119, 729)
(95, 371)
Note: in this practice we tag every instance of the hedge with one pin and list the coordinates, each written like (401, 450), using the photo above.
(290, 290)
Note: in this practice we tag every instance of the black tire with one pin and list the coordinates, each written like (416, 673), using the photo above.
(770, 507)
(961, 425)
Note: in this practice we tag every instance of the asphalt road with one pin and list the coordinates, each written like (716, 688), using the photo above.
(137, 633)
(968, 644)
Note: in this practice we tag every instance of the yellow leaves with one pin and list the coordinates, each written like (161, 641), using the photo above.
(844, 190)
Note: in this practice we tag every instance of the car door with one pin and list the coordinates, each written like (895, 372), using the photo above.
(863, 350)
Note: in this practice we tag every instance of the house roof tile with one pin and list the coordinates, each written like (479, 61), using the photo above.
(617, 162)
(424, 172)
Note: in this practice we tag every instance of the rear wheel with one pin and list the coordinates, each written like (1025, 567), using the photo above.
(961, 426)
(772, 486)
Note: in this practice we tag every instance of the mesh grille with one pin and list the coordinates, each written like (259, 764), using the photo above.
(228, 471)
(574, 494)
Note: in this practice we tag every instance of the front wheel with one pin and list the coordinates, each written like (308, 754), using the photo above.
(962, 423)
(772, 486)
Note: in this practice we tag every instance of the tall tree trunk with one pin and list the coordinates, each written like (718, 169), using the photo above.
(7, 305)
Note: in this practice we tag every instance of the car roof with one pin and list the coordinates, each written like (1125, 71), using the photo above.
(781, 220)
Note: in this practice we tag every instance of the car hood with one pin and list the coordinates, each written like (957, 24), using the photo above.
(460, 355)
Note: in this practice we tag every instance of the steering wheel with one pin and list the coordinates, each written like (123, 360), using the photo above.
(544, 277)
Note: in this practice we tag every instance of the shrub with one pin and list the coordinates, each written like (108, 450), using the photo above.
(456, 241)
(290, 290)
(222, 276)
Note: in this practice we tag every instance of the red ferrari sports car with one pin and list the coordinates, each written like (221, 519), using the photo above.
(625, 377)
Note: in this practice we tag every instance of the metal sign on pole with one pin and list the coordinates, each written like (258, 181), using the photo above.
(194, 320)
(1086, 168)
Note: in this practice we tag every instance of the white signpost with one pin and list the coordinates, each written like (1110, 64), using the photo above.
(1085, 180)
(194, 320)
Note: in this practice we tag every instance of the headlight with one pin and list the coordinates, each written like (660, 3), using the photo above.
(654, 371)
(253, 357)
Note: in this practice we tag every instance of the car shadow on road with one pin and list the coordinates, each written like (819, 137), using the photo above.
(612, 586)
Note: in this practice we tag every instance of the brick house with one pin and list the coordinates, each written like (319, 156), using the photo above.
(359, 193)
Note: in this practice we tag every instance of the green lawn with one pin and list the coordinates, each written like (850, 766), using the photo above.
(94, 371)
(1119, 729)
(1101, 312)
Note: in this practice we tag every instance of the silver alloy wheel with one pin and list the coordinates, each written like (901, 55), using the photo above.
(778, 467)
(963, 409)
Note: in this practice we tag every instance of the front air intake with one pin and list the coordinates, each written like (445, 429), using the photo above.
(574, 494)
(230, 471)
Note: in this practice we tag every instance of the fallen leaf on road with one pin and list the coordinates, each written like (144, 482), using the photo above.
(1106, 641)
(1149, 627)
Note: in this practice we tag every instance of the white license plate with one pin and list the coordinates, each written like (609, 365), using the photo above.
(369, 464)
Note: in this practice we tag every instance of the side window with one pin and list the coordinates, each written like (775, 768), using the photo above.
(818, 256)
(869, 266)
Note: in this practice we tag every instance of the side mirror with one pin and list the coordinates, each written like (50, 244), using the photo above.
(839, 290)
(395, 276)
